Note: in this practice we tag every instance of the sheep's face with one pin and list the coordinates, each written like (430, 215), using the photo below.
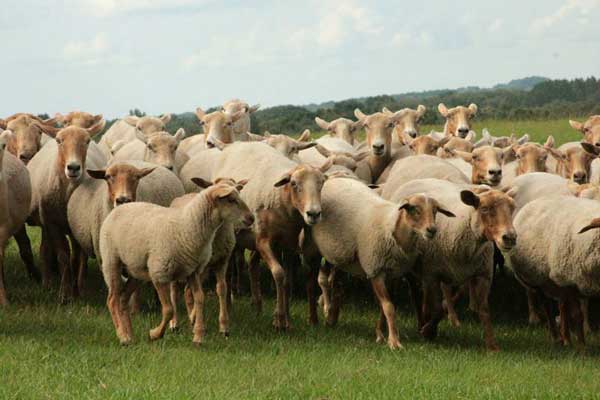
(590, 129)
(487, 165)
(460, 144)
(232, 107)
(408, 124)
(286, 145)
(341, 128)
(418, 212)
(502, 142)
(531, 157)
(379, 128)
(122, 180)
(576, 162)
(81, 119)
(425, 145)
(26, 138)
(494, 216)
(458, 119)
(218, 125)
(73, 143)
(161, 148)
(302, 187)
(148, 125)
(586, 191)
(229, 204)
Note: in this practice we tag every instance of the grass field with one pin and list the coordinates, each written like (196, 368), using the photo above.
(49, 351)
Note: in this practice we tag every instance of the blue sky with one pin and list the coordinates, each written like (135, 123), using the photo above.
(107, 56)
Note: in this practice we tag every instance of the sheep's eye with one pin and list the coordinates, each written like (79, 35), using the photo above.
(231, 200)
(414, 210)
(150, 147)
(352, 129)
(229, 123)
(484, 210)
(390, 125)
(366, 126)
(59, 141)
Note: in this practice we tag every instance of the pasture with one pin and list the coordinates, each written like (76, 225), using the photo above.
(71, 351)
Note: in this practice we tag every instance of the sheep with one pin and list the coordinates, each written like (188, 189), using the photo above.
(159, 148)
(486, 164)
(81, 119)
(341, 128)
(458, 119)
(288, 146)
(26, 137)
(163, 245)
(573, 161)
(392, 229)
(241, 127)
(566, 271)
(503, 141)
(201, 165)
(425, 144)
(591, 134)
(529, 157)
(15, 197)
(408, 124)
(378, 127)
(223, 246)
(285, 196)
(216, 125)
(125, 130)
(464, 247)
(340, 152)
(56, 171)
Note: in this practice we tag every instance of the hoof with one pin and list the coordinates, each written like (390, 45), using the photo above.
(173, 326)
(225, 334)
(125, 341)
(154, 334)
(429, 331)
(379, 338)
(394, 344)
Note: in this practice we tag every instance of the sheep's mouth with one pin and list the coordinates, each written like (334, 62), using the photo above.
(73, 175)
(579, 181)
(25, 159)
(492, 181)
(506, 246)
(378, 153)
(248, 221)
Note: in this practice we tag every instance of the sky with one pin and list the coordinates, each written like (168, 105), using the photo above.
(109, 56)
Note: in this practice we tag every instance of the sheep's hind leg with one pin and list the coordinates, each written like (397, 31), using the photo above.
(164, 295)
(263, 245)
(195, 287)
(480, 287)
(388, 309)
(3, 298)
(550, 320)
(174, 322)
(449, 303)
(27, 255)
(221, 277)
(254, 272)
(433, 311)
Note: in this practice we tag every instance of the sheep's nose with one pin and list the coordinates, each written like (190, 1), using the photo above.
(509, 238)
(378, 148)
(74, 167)
(463, 132)
(412, 134)
(579, 176)
(24, 158)
(495, 171)
(431, 231)
(314, 214)
(122, 200)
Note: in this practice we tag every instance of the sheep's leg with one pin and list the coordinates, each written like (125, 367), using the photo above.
(195, 285)
(433, 311)
(124, 314)
(311, 294)
(3, 298)
(417, 300)
(27, 255)
(312, 259)
(576, 319)
(379, 327)
(388, 309)
(189, 303)
(78, 263)
(563, 312)
(254, 271)
(337, 297)
(61, 246)
(221, 277)
(263, 245)
(449, 303)
(323, 281)
(585, 311)
(164, 295)
(48, 258)
(112, 275)
(135, 302)
(174, 322)
(550, 321)
(534, 317)
(480, 288)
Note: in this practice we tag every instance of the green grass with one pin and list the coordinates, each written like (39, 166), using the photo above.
(49, 351)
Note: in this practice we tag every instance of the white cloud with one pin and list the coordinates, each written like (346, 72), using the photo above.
(496, 25)
(87, 52)
(340, 19)
(103, 8)
(580, 8)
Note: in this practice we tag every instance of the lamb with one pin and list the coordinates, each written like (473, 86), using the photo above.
(223, 246)
(163, 245)
(15, 197)
(159, 148)
(408, 124)
(463, 251)
(341, 128)
(567, 271)
(392, 229)
(425, 145)
(285, 196)
(125, 130)
(458, 119)
(56, 171)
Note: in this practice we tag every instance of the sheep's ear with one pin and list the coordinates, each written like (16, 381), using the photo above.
(240, 184)
(47, 129)
(224, 191)
(509, 152)
(97, 173)
(326, 165)
(62, 119)
(305, 145)
(284, 180)
(468, 157)
(592, 225)
(179, 135)
(486, 134)
(443, 109)
(322, 150)
(469, 198)
(145, 172)
(360, 156)
(386, 111)
(421, 109)
(373, 186)
(525, 138)
(322, 123)
(96, 128)
(404, 205)
(471, 136)
(576, 125)
(473, 108)
(131, 120)
(253, 108)
(140, 135)
(510, 191)
(549, 142)
(357, 125)
(97, 117)
(200, 113)
(165, 118)
(441, 209)
(201, 182)
(485, 141)
(590, 149)
(117, 146)
(305, 136)
(557, 154)
(359, 114)
(216, 143)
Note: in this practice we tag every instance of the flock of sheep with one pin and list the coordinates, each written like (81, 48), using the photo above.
(439, 210)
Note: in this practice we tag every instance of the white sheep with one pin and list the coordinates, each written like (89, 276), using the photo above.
(125, 130)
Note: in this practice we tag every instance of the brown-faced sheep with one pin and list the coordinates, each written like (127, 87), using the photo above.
(341, 128)
(573, 161)
(125, 130)
(458, 119)
(408, 124)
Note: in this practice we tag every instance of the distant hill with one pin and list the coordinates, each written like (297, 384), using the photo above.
(522, 84)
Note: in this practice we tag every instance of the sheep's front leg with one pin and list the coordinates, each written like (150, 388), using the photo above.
(480, 288)
(174, 322)
(565, 331)
(388, 309)
(449, 303)
(3, 298)
(195, 286)
(379, 327)
(417, 299)
(164, 295)
(254, 272)
(221, 277)
(124, 312)
(433, 311)
(112, 273)
(27, 255)
(585, 311)
(336, 296)
(576, 319)
(550, 320)
(263, 245)
(61, 246)
(323, 280)
(48, 258)
(534, 317)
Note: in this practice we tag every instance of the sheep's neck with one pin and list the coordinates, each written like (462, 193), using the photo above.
(404, 234)
(378, 164)
(199, 219)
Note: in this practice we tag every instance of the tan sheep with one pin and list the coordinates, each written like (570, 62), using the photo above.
(125, 130)
(163, 245)
(408, 124)
(26, 137)
(458, 119)
(81, 119)
(288, 146)
(529, 157)
(573, 161)
(463, 249)
(15, 197)
(341, 128)
(590, 129)
(353, 212)
(241, 127)
(56, 171)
